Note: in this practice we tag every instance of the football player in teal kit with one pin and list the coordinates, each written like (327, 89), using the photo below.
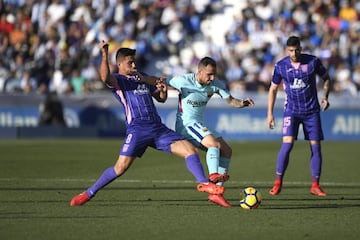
(195, 90)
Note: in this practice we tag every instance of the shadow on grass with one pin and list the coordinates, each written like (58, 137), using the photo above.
(290, 198)
(285, 204)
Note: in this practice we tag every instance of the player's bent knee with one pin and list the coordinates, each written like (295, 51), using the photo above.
(189, 147)
(122, 165)
(183, 148)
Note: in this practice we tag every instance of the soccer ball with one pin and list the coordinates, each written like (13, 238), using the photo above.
(250, 198)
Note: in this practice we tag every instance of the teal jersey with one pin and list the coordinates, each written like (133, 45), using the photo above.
(193, 97)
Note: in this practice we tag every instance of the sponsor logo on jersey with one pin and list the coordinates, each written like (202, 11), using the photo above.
(141, 89)
(196, 103)
(298, 84)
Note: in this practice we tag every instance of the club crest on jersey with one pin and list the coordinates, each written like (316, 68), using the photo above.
(304, 68)
(204, 129)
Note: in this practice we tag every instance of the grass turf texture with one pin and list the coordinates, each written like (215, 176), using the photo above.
(157, 197)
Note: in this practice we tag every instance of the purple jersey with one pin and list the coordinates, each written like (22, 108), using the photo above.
(144, 126)
(299, 83)
(136, 99)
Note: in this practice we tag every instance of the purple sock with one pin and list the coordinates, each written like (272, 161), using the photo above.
(107, 177)
(283, 159)
(315, 162)
(195, 167)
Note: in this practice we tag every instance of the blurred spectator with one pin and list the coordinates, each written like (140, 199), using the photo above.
(55, 12)
(356, 76)
(90, 73)
(237, 88)
(4, 73)
(346, 87)
(17, 35)
(343, 82)
(265, 75)
(263, 11)
(11, 82)
(27, 83)
(38, 15)
(51, 111)
(347, 11)
(6, 22)
(342, 73)
(78, 82)
(234, 72)
(44, 70)
(59, 83)
(246, 37)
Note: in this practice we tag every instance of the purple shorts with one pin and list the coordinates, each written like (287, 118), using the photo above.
(311, 124)
(140, 136)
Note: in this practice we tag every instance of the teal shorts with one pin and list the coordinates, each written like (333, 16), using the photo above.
(195, 132)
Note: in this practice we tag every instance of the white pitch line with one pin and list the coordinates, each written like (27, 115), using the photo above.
(289, 183)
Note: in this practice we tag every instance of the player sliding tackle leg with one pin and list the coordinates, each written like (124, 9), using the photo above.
(110, 174)
(143, 124)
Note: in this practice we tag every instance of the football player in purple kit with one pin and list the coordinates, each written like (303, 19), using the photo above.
(298, 73)
(135, 91)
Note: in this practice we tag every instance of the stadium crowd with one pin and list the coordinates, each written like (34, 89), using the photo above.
(51, 45)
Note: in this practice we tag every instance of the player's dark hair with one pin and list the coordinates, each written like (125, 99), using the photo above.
(124, 52)
(207, 61)
(293, 41)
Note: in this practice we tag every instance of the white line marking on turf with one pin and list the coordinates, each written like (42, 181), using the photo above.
(289, 183)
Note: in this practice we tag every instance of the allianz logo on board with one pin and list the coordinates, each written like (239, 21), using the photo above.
(246, 123)
(31, 119)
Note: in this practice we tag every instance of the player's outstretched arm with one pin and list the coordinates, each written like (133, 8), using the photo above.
(161, 94)
(240, 103)
(105, 75)
(151, 80)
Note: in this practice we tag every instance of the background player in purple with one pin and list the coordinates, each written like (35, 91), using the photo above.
(298, 72)
(135, 92)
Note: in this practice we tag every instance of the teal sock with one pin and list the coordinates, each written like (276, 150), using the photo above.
(212, 159)
(223, 167)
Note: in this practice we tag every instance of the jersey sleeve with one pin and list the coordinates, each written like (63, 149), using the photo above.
(221, 89)
(114, 88)
(320, 69)
(175, 82)
(276, 77)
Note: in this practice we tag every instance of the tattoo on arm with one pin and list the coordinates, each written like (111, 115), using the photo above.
(236, 103)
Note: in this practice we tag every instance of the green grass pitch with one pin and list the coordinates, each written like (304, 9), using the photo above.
(157, 197)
